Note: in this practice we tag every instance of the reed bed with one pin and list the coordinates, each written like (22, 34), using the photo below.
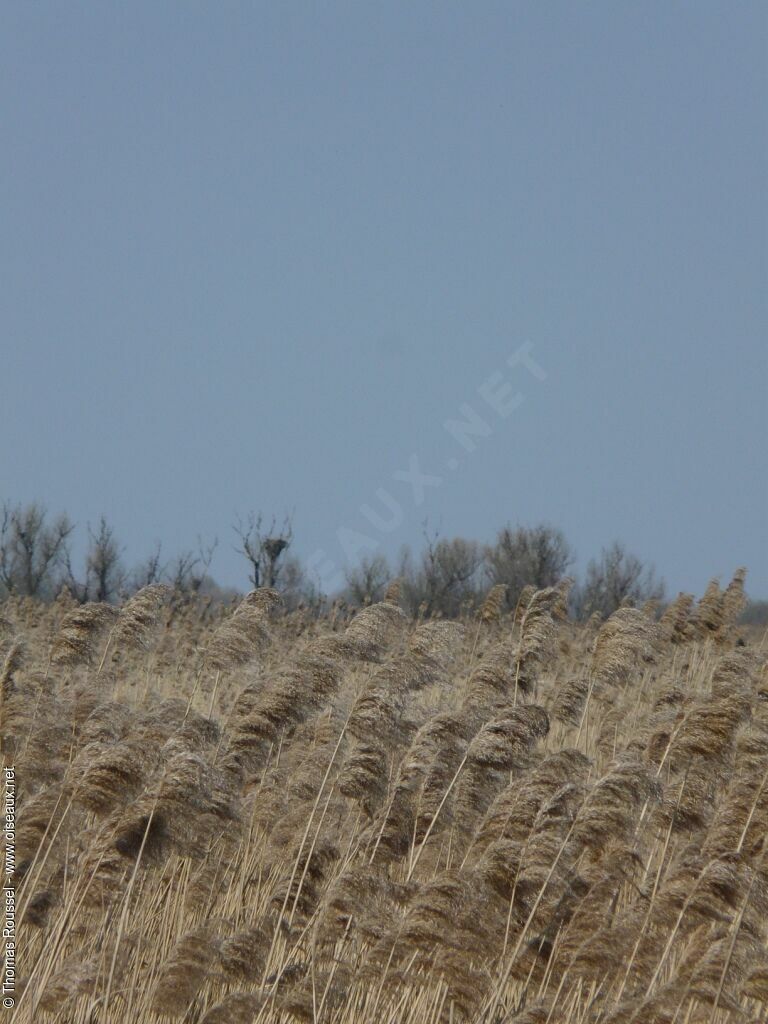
(247, 816)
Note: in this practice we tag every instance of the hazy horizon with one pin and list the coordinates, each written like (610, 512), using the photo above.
(376, 265)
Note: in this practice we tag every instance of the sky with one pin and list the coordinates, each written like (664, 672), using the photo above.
(385, 264)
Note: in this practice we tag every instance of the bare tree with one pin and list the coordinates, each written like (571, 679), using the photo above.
(616, 578)
(538, 555)
(188, 571)
(105, 575)
(296, 588)
(32, 550)
(366, 581)
(182, 574)
(263, 547)
(446, 578)
(150, 571)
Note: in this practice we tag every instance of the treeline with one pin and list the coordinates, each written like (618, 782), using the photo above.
(451, 576)
(447, 577)
(36, 560)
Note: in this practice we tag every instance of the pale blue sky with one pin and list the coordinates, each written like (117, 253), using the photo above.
(255, 255)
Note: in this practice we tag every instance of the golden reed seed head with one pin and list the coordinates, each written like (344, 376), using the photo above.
(734, 602)
(675, 623)
(263, 599)
(553, 782)
(139, 615)
(73, 644)
(73, 979)
(569, 700)
(755, 985)
(11, 664)
(502, 742)
(394, 590)
(243, 955)
(363, 776)
(236, 1008)
(435, 644)
(608, 812)
(493, 605)
(111, 778)
(625, 637)
(193, 958)
(523, 601)
(709, 611)
(239, 639)
(374, 629)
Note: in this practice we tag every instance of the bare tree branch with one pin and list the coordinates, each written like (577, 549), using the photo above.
(263, 547)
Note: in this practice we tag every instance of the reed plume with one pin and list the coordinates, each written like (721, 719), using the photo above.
(236, 1008)
(243, 955)
(139, 614)
(191, 961)
(369, 634)
(393, 590)
(523, 601)
(11, 664)
(244, 635)
(111, 776)
(74, 641)
(493, 604)
(709, 610)
(625, 637)
(675, 624)
(503, 742)
(537, 633)
(733, 604)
